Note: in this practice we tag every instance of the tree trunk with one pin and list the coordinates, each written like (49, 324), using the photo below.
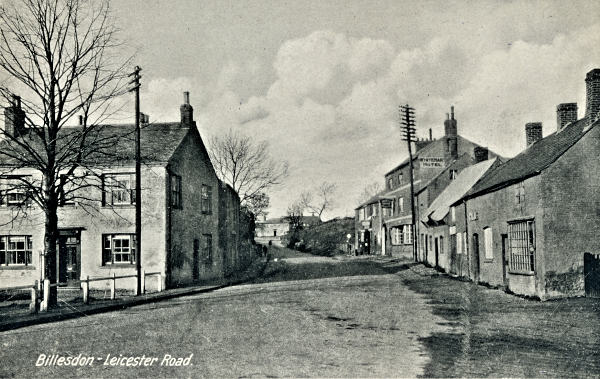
(50, 240)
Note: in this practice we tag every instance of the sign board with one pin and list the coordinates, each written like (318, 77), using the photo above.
(366, 224)
(453, 230)
(473, 215)
(386, 203)
(430, 162)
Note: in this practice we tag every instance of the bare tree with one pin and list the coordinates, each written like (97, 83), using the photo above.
(369, 191)
(246, 165)
(258, 204)
(59, 56)
(295, 216)
(321, 201)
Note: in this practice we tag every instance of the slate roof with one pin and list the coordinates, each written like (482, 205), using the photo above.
(110, 144)
(532, 160)
(284, 220)
(455, 190)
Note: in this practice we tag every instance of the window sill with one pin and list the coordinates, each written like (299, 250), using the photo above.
(487, 260)
(17, 267)
(118, 206)
(117, 265)
(524, 273)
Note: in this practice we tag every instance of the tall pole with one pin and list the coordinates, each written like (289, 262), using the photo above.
(138, 180)
(407, 120)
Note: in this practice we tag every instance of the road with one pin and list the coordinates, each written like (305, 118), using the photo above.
(313, 317)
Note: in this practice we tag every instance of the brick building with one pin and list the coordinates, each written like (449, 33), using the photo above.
(190, 220)
(529, 223)
(383, 223)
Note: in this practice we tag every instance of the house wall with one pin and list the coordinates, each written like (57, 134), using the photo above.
(458, 256)
(571, 212)
(495, 210)
(265, 232)
(93, 220)
(191, 162)
(229, 233)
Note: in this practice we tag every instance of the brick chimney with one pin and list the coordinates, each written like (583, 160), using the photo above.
(480, 153)
(592, 91)
(187, 112)
(451, 135)
(14, 118)
(565, 113)
(533, 132)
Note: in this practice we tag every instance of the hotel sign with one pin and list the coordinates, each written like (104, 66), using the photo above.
(430, 162)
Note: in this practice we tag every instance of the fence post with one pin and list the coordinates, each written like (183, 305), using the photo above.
(143, 282)
(159, 284)
(44, 305)
(86, 289)
(34, 296)
(113, 286)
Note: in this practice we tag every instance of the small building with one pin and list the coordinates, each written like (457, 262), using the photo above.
(531, 221)
(190, 220)
(272, 231)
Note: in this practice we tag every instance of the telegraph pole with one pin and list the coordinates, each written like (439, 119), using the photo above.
(407, 122)
(138, 180)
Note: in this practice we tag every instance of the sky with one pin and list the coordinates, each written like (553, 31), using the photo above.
(321, 81)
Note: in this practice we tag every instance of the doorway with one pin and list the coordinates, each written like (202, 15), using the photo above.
(69, 257)
(476, 258)
(504, 259)
(437, 253)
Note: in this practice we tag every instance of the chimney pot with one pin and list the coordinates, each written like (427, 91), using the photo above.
(80, 120)
(430, 135)
(533, 132)
(186, 97)
(452, 112)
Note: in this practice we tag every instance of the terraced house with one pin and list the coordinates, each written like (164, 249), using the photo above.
(190, 220)
(383, 223)
(531, 225)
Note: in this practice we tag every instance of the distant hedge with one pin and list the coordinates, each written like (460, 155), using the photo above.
(327, 239)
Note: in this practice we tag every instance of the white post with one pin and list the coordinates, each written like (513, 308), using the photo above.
(44, 305)
(113, 286)
(86, 289)
(33, 305)
(143, 286)
(159, 284)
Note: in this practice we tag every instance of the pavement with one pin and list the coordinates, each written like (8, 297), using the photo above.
(14, 317)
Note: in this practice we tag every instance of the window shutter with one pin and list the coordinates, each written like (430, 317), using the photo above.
(106, 249)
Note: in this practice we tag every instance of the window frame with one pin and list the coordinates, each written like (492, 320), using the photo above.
(108, 252)
(207, 248)
(108, 192)
(206, 199)
(522, 247)
(488, 243)
(7, 190)
(175, 191)
(19, 257)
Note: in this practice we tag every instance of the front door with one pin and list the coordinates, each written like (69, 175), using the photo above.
(69, 257)
(437, 253)
(476, 257)
(504, 260)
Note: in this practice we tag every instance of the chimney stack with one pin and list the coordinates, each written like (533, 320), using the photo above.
(187, 112)
(480, 153)
(430, 135)
(592, 90)
(451, 135)
(144, 118)
(533, 132)
(565, 113)
(14, 118)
